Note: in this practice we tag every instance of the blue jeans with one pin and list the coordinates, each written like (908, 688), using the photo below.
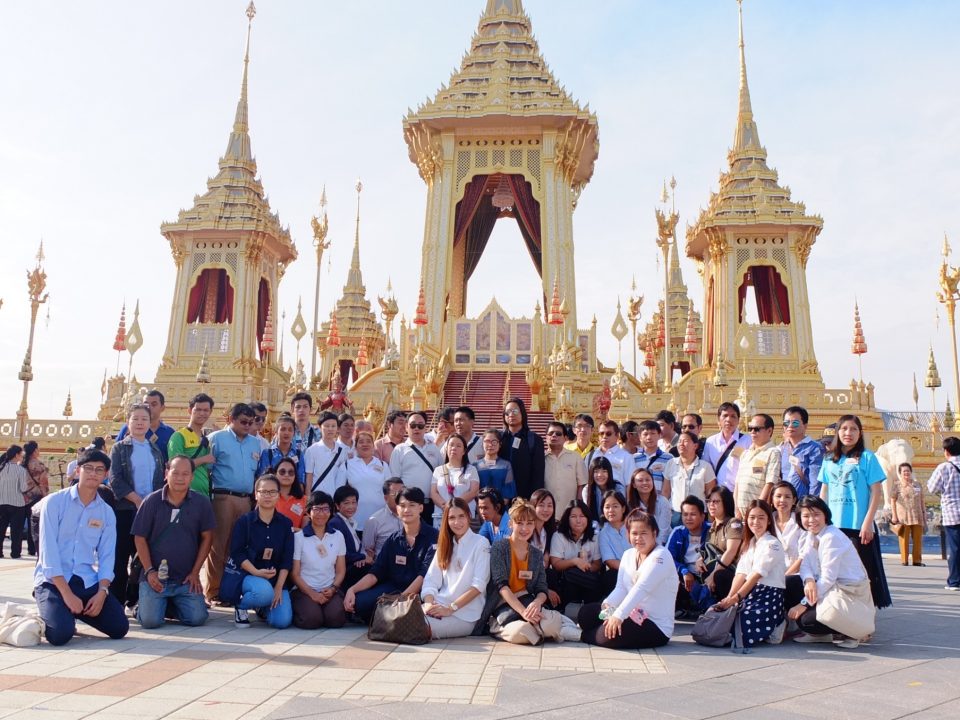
(258, 593)
(953, 554)
(152, 608)
(61, 623)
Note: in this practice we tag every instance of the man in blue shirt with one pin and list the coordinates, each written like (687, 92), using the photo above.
(173, 531)
(74, 570)
(236, 455)
(159, 433)
(800, 455)
(402, 562)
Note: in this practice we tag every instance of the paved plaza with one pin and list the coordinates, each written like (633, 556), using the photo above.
(911, 669)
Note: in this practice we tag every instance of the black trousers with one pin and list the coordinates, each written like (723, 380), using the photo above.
(632, 636)
(125, 550)
(12, 515)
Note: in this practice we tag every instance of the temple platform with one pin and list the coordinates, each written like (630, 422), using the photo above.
(910, 669)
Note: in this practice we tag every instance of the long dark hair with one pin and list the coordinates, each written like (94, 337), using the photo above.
(837, 447)
(598, 463)
(29, 448)
(550, 525)
(296, 490)
(523, 412)
(771, 522)
(633, 495)
(10, 454)
(446, 539)
(726, 502)
(564, 527)
(464, 461)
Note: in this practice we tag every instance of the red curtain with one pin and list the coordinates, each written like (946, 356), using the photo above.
(708, 325)
(773, 303)
(198, 294)
(528, 218)
(478, 234)
(472, 195)
(263, 306)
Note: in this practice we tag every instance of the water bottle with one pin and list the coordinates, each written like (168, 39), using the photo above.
(163, 571)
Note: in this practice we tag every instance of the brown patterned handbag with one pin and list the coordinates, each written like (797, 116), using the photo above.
(399, 619)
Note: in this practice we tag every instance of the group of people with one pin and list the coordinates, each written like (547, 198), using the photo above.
(504, 533)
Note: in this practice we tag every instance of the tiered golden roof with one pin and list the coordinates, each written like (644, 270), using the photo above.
(750, 192)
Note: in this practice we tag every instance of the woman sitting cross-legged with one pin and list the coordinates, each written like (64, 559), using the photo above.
(319, 567)
(831, 561)
(759, 583)
(517, 603)
(454, 586)
(262, 546)
(613, 539)
(575, 556)
(639, 612)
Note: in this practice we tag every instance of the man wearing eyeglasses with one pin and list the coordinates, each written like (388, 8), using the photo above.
(583, 425)
(800, 455)
(620, 460)
(564, 473)
(691, 422)
(236, 456)
(414, 460)
(78, 535)
(724, 449)
(759, 468)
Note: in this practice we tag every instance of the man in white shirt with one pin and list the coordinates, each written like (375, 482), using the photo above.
(414, 461)
(759, 467)
(463, 419)
(724, 449)
(326, 461)
(620, 460)
(564, 473)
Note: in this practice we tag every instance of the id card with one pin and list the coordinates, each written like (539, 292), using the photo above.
(95, 523)
(400, 559)
(525, 574)
(267, 553)
(516, 443)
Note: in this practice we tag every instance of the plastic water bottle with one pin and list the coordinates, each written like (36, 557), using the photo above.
(163, 571)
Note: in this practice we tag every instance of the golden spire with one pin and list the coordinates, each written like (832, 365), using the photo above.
(510, 7)
(354, 278)
(238, 146)
(746, 135)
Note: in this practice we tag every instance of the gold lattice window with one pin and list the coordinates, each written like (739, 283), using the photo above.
(463, 165)
(533, 164)
(481, 158)
(516, 158)
(780, 255)
(499, 157)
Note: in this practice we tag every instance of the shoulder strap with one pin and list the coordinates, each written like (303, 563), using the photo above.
(476, 439)
(422, 456)
(316, 483)
(726, 454)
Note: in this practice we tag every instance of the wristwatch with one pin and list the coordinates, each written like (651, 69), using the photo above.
(454, 606)
(106, 590)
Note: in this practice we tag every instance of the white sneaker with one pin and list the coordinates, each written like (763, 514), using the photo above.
(776, 637)
(847, 643)
(954, 588)
(808, 638)
(240, 618)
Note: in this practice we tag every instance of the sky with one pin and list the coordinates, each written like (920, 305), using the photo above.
(114, 115)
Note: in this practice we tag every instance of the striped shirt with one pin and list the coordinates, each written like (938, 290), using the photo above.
(13, 484)
(946, 481)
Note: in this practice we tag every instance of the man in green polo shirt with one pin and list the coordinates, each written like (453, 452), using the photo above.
(191, 442)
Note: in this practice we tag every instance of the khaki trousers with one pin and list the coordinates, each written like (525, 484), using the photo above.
(227, 509)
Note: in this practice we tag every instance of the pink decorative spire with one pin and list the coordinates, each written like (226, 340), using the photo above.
(690, 346)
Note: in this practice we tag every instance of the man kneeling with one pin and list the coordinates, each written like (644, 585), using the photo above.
(78, 536)
(173, 532)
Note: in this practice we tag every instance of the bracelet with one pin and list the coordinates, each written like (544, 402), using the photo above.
(739, 599)
(148, 571)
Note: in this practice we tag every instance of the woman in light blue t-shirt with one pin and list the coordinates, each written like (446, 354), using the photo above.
(852, 485)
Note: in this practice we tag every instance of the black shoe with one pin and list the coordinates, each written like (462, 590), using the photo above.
(919, 564)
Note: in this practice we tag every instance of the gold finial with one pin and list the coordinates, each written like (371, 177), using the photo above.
(746, 135)
(251, 11)
(933, 375)
(946, 247)
(41, 257)
(916, 395)
(619, 329)
(663, 195)
(68, 408)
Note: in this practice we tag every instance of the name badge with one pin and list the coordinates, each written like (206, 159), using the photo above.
(758, 469)
(297, 508)
(94, 523)
(516, 443)
(173, 514)
(852, 461)
(400, 559)
(525, 574)
(795, 461)
(267, 553)
(657, 467)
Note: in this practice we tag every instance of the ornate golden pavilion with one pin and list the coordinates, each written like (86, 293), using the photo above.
(503, 140)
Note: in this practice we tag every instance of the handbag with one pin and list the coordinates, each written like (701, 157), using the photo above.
(20, 626)
(848, 608)
(710, 554)
(715, 627)
(399, 619)
(231, 583)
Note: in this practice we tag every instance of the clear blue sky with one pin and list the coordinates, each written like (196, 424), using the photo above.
(114, 114)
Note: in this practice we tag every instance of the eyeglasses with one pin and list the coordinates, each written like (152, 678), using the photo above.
(322, 509)
(791, 423)
(511, 411)
(286, 473)
(417, 426)
(554, 433)
(94, 469)
(268, 493)
(245, 422)
(260, 420)
(582, 428)
(754, 429)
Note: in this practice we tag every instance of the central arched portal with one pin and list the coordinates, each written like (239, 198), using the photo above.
(486, 199)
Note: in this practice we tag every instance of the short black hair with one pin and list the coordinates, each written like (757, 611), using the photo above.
(320, 498)
(695, 417)
(200, 398)
(389, 483)
(466, 410)
(494, 496)
(181, 456)
(327, 415)
(343, 417)
(445, 414)
(241, 410)
(728, 406)
(588, 419)
(395, 415)
(157, 394)
(90, 455)
(343, 492)
(813, 502)
(952, 445)
(258, 407)
(557, 423)
(652, 426)
(666, 416)
(696, 502)
(797, 410)
(768, 423)
(411, 494)
(302, 396)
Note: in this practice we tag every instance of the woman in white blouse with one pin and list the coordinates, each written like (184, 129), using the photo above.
(318, 570)
(759, 583)
(832, 561)
(454, 586)
(687, 475)
(456, 477)
(642, 495)
(639, 612)
(784, 501)
(366, 473)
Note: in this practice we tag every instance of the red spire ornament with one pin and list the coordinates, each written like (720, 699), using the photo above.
(661, 334)
(267, 344)
(362, 360)
(333, 337)
(420, 318)
(555, 317)
(690, 345)
(649, 360)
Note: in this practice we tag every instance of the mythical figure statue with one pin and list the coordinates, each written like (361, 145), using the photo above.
(337, 400)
